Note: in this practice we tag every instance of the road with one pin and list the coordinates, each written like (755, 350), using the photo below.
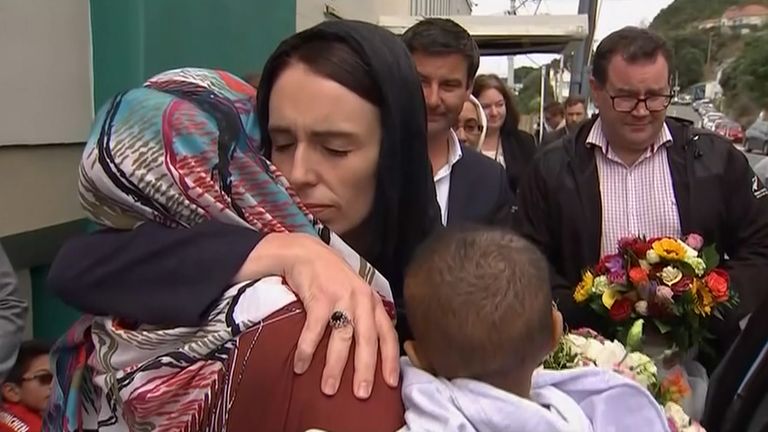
(686, 112)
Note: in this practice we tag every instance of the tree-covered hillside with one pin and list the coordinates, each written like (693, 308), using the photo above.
(682, 13)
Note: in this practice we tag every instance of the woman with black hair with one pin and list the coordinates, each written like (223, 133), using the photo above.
(504, 142)
(341, 115)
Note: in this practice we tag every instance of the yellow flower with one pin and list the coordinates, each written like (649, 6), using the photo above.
(669, 249)
(702, 298)
(584, 288)
(609, 297)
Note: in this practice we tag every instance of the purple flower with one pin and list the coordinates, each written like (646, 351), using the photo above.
(614, 263)
(647, 291)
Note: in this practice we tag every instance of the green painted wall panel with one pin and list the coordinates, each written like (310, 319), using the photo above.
(135, 39)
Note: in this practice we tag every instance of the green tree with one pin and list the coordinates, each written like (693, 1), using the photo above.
(746, 78)
(530, 94)
(680, 14)
(690, 67)
(523, 72)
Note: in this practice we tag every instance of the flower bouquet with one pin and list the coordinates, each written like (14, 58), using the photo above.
(673, 283)
(585, 347)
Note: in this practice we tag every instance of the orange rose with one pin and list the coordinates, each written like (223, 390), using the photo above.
(638, 276)
(717, 281)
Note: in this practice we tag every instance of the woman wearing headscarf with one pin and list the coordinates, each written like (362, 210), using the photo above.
(360, 168)
(504, 142)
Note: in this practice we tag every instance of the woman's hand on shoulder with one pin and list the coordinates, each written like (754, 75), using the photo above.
(325, 283)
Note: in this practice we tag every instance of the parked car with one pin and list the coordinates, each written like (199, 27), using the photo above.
(761, 169)
(730, 129)
(709, 119)
(699, 104)
(684, 99)
(756, 137)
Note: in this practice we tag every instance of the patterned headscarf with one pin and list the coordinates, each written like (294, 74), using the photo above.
(181, 150)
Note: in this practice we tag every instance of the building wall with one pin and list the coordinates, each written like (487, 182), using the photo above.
(441, 7)
(311, 12)
(62, 58)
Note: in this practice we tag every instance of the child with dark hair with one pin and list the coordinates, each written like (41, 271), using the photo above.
(26, 389)
(481, 312)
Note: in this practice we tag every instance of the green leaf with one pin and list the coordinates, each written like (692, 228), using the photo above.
(663, 327)
(711, 257)
(717, 314)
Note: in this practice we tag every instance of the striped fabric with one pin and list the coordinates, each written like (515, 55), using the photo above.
(637, 199)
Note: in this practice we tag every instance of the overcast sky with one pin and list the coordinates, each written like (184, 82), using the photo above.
(614, 14)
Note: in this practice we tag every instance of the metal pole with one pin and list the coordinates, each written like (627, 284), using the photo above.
(579, 68)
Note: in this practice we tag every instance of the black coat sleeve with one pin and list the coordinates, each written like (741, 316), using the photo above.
(152, 274)
(534, 221)
(746, 235)
(506, 202)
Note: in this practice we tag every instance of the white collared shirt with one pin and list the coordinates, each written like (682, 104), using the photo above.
(443, 175)
(637, 199)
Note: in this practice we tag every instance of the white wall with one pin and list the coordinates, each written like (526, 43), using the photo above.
(45, 47)
(46, 100)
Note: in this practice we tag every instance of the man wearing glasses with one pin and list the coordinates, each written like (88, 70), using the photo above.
(635, 171)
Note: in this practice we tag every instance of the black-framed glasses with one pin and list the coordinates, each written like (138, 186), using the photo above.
(42, 378)
(653, 103)
(471, 127)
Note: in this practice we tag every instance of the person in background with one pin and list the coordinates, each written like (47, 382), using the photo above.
(470, 188)
(575, 114)
(504, 141)
(554, 116)
(26, 389)
(483, 321)
(470, 128)
(13, 312)
(634, 171)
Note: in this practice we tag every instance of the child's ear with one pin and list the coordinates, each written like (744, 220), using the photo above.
(412, 352)
(11, 393)
(557, 326)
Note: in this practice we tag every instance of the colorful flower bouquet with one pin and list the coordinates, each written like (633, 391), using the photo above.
(673, 283)
(585, 347)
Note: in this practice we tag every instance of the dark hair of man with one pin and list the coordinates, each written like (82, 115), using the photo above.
(28, 352)
(634, 45)
(554, 108)
(479, 303)
(441, 36)
(492, 81)
(575, 100)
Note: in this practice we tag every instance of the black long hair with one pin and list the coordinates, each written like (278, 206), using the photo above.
(375, 65)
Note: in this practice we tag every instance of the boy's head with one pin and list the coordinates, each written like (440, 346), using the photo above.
(29, 381)
(479, 305)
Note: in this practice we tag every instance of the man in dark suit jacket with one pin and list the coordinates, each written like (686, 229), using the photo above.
(575, 114)
(471, 188)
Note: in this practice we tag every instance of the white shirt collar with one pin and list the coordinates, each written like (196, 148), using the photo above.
(454, 154)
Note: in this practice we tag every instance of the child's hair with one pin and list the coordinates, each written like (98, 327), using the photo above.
(479, 302)
(28, 352)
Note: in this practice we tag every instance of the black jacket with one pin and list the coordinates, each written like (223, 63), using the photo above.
(560, 211)
(479, 192)
(519, 149)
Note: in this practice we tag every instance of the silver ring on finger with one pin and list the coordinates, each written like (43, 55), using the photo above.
(339, 319)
